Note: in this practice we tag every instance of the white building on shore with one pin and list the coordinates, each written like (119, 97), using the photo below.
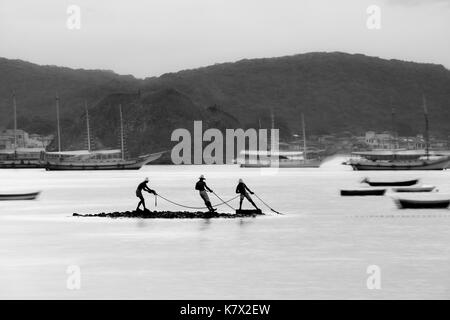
(23, 140)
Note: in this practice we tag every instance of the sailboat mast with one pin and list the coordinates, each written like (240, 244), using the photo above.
(393, 129)
(122, 147)
(57, 123)
(427, 129)
(15, 121)
(272, 119)
(304, 138)
(87, 126)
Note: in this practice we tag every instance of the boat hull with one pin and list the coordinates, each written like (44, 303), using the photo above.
(423, 204)
(440, 164)
(284, 164)
(406, 183)
(358, 192)
(22, 164)
(22, 196)
(413, 189)
(135, 164)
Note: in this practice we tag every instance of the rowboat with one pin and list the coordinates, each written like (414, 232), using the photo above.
(423, 203)
(18, 196)
(414, 189)
(405, 183)
(363, 192)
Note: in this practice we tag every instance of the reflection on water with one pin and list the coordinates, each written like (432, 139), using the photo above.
(320, 249)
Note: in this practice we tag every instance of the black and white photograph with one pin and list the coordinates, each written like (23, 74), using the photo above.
(224, 150)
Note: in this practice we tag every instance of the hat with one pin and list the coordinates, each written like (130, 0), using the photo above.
(202, 177)
(147, 179)
(240, 180)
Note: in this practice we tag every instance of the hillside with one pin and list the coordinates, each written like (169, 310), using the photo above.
(337, 92)
(149, 120)
(35, 87)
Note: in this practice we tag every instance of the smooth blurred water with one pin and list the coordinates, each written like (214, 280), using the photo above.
(320, 249)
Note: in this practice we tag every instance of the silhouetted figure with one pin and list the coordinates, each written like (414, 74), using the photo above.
(143, 187)
(202, 188)
(242, 189)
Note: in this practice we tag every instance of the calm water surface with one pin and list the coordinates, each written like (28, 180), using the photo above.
(320, 249)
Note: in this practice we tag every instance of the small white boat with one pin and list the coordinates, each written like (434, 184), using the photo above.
(414, 189)
(19, 196)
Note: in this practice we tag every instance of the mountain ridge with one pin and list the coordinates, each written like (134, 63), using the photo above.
(337, 92)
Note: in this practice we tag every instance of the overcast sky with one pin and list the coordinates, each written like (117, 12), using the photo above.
(149, 38)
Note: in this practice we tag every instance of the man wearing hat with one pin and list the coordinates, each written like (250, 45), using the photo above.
(202, 188)
(143, 186)
(242, 189)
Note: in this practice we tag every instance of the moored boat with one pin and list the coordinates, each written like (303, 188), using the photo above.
(414, 189)
(423, 203)
(404, 183)
(19, 196)
(398, 159)
(282, 159)
(416, 163)
(363, 192)
(91, 163)
(95, 159)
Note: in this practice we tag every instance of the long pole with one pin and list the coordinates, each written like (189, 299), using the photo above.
(15, 122)
(122, 147)
(427, 132)
(304, 138)
(272, 118)
(87, 126)
(393, 128)
(57, 123)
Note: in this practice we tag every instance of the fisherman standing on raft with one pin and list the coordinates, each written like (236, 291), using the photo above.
(202, 188)
(242, 189)
(143, 186)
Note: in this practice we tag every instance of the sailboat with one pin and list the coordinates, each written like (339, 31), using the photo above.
(402, 159)
(281, 159)
(20, 157)
(96, 159)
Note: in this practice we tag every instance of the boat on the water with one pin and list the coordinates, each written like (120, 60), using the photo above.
(85, 160)
(115, 159)
(400, 159)
(19, 196)
(414, 189)
(404, 183)
(363, 192)
(282, 159)
(423, 203)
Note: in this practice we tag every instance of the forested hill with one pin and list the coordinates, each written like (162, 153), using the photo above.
(337, 92)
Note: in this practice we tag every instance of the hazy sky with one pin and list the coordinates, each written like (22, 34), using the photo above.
(149, 38)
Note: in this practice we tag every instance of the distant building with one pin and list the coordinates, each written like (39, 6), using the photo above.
(23, 140)
(383, 140)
